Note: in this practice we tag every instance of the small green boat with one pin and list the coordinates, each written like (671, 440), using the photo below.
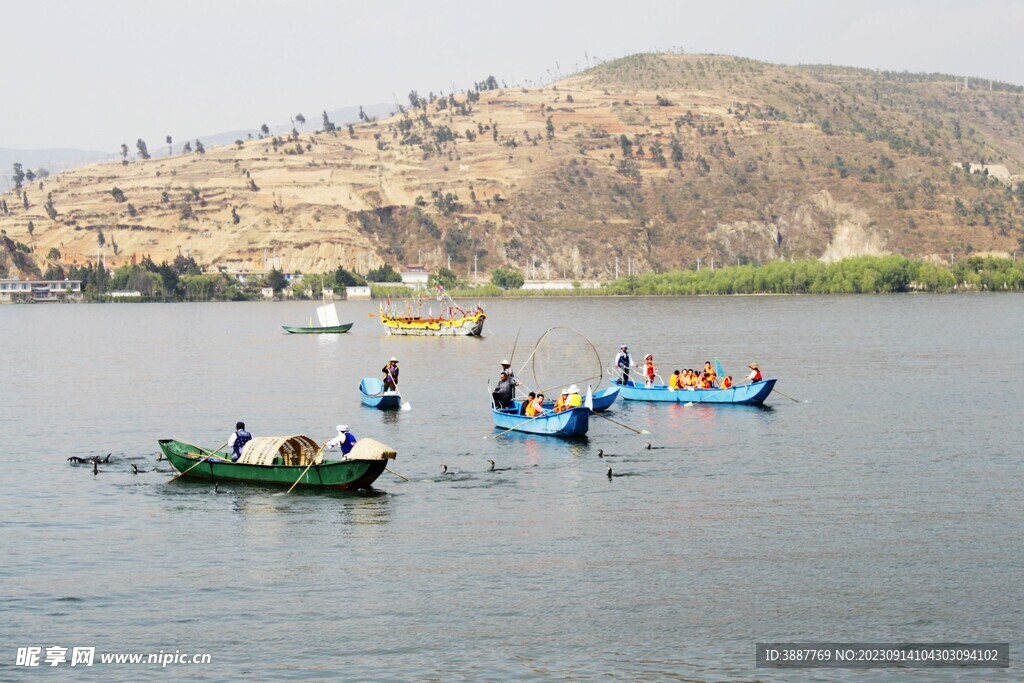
(282, 461)
(333, 329)
(329, 323)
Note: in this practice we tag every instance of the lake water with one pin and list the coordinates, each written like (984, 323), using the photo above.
(883, 504)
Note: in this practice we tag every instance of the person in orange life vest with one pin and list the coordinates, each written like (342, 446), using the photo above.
(560, 404)
(649, 370)
(536, 406)
(727, 382)
(755, 373)
(674, 381)
(710, 372)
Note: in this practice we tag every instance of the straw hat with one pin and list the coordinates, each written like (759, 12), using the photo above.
(753, 366)
(505, 362)
(649, 356)
(565, 392)
(342, 428)
(393, 360)
(574, 389)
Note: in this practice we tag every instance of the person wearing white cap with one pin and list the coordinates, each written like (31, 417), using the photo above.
(506, 367)
(390, 374)
(574, 400)
(624, 362)
(345, 440)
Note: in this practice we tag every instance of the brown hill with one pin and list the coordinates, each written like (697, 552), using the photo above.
(653, 159)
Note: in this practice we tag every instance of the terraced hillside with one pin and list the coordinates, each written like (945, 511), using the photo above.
(650, 160)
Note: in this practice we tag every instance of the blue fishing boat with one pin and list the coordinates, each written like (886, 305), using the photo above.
(752, 394)
(603, 400)
(371, 393)
(572, 422)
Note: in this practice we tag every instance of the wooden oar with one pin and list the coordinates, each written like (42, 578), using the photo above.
(396, 474)
(518, 425)
(789, 397)
(638, 431)
(201, 461)
(311, 463)
(405, 404)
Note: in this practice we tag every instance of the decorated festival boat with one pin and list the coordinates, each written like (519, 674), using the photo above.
(753, 394)
(452, 320)
(282, 461)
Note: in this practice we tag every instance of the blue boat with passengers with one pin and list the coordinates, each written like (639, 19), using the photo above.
(752, 394)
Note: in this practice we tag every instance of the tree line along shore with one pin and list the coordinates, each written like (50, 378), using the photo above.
(183, 280)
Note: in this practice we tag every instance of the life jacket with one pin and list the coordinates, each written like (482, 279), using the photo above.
(756, 377)
(533, 408)
(726, 383)
(649, 370)
(574, 401)
(242, 437)
(673, 382)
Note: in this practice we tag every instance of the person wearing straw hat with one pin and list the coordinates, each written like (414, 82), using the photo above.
(561, 403)
(755, 373)
(574, 400)
(390, 374)
(506, 367)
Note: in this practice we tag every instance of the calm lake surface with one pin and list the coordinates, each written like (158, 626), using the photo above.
(885, 504)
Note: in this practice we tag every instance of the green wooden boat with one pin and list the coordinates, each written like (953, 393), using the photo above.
(281, 461)
(329, 323)
(333, 329)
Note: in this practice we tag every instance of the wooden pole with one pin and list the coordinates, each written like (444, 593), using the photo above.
(311, 463)
(201, 461)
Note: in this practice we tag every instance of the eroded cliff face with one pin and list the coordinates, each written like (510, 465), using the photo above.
(15, 263)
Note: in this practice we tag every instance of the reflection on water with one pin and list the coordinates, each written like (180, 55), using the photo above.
(876, 509)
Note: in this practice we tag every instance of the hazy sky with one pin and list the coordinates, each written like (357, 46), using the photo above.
(95, 73)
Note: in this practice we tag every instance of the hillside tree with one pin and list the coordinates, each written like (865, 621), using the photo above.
(19, 176)
(300, 119)
(140, 145)
(124, 154)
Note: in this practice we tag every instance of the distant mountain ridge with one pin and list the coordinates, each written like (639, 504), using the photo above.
(646, 163)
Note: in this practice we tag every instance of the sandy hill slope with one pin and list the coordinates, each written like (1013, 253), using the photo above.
(650, 160)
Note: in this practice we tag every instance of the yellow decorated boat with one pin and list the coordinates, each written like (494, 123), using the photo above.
(452, 321)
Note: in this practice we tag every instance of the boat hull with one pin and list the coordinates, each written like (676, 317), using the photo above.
(743, 395)
(372, 394)
(469, 326)
(332, 474)
(604, 398)
(335, 329)
(569, 423)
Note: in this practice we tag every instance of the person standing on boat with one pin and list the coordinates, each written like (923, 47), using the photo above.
(504, 392)
(755, 373)
(345, 440)
(506, 367)
(237, 441)
(390, 374)
(650, 370)
(624, 362)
